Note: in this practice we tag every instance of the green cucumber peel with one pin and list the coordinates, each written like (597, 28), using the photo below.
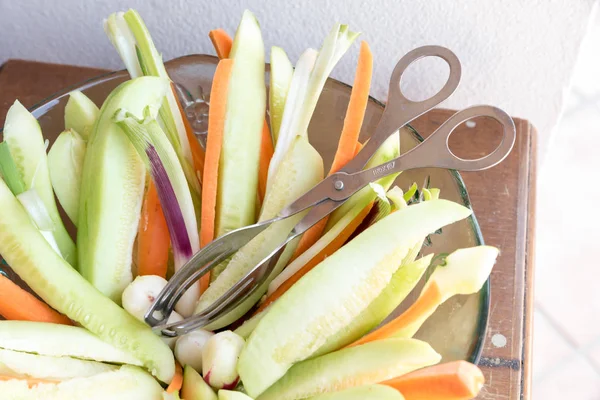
(23, 135)
(65, 163)
(65, 290)
(9, 170)
(80, 114)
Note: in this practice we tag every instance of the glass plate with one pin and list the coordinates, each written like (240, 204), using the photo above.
(457, 329)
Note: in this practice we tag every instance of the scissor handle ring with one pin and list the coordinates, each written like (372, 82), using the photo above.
(399, 103)
(436, 150)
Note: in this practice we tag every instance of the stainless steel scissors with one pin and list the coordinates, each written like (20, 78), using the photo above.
(334, 190)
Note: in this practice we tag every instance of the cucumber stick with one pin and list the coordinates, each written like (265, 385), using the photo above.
(366, 392)
(361, 365)
(65, 163)
(14, 363)
(246, 102)
(403, 281)
(281, 77)
(80, 114)
(336, 291)
(126, 383)
(301, 169)
(112, 189)
(26, 143)
(25, 249)
(60, 341)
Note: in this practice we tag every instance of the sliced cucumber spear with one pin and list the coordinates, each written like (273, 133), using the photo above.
(281, 78)
(246, 103)
(126, 383)
(301, 169)
(324, 303)
(112, 189)
(80, 114)
(49, 276)
(366, 392)
(60, 341)
(17, 364)
(65, 162)
(368, 364)
(24, 137)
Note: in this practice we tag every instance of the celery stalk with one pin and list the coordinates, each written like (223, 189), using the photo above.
(24, 137)
(65, 163)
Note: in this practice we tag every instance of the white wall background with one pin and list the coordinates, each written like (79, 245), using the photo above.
(516, 54)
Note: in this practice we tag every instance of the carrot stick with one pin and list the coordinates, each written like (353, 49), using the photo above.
(18, 304)
(458, 380)
(327, 251)
(348, 144)
(31, 382)
(359, 97)
(153, 236)
(221, 41)
(197, 150)
(214, 140)
(177, 381)
(429, 299)
(266, 153)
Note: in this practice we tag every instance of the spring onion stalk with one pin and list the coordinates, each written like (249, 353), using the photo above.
(80, 114)
(281, 78)
(130, 37)
(305, 93)
(161, 161)
(65, 163)
(398, 197)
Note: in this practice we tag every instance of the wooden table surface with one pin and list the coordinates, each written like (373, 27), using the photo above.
(503, 199)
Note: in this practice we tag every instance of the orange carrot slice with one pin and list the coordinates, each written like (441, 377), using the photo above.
(266, 153)
(18, 304)
(31, 382)
(327, 251)
(222, 42)
(348, 144)
(458, 380)
(428, 300)
(355, 114)
(177, 381)
(214, 140)
(153, 236)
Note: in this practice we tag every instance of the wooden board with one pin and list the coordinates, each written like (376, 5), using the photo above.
(503, 199)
